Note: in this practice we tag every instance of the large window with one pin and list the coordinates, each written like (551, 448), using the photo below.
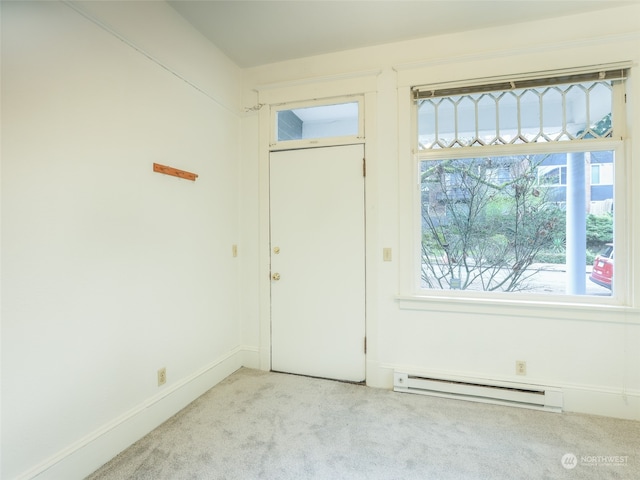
(517, 185)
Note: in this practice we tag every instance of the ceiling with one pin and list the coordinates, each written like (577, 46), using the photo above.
(258, 32)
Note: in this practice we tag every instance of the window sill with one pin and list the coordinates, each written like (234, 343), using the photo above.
(588, 312)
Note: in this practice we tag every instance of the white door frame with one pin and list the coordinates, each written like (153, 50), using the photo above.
(261, 358)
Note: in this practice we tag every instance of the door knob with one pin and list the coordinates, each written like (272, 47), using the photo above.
(275, 276)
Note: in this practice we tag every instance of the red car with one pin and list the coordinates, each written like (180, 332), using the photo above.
(602, 272)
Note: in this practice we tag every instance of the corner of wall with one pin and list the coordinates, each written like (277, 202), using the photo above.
(97, 448)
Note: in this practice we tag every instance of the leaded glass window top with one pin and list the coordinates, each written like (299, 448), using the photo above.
(555, 113)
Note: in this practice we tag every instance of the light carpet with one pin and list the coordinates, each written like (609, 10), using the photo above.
(262, 425)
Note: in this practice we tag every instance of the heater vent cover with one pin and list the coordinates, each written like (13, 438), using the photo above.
(536, 397)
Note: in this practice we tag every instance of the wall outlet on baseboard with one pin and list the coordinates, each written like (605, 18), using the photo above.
(162, 376)
(521, 367)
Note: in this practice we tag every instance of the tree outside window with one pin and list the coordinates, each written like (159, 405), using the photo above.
(525, 220)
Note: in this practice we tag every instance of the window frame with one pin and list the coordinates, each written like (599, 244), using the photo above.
(620, 296)
(276, 145)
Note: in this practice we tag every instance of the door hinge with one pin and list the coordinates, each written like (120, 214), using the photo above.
(365, 345)
(364, 167)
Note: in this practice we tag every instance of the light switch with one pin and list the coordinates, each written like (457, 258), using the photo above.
(386, 254)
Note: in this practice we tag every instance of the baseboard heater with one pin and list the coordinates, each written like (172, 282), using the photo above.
(500, 393)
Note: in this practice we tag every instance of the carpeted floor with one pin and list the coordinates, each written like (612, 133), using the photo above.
(261, 425)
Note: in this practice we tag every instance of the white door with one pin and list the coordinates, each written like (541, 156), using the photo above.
(318, 262)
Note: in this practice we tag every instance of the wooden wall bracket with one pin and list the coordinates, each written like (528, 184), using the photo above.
(174, 171)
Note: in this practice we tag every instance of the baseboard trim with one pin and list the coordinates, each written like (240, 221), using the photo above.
(588, 399)
(250, 357)
(602, 401)
(91, 452)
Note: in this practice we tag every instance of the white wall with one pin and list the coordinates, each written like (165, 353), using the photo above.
(592, 353)
(109, 270)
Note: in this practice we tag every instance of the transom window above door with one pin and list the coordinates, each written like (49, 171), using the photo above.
(310, 124)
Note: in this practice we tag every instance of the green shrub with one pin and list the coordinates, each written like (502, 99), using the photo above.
(551, 257)
(599, 231)
(560, 257)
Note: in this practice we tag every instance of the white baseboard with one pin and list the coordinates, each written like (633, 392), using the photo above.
(602, 401)
(91, 452)
(379, 376)
(88, 454)
(250, 357)
(589, 399)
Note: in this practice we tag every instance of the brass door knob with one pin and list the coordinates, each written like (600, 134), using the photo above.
(275, 276)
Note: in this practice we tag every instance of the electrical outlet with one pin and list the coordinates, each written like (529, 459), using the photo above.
(162, 376)
(386, 254)
(521, 367)
(234, 250)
